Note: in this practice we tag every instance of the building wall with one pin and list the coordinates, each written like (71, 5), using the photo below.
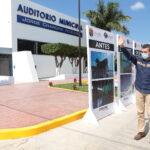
(5, 25)
(45, 64)
(24, 67)
(29, 32)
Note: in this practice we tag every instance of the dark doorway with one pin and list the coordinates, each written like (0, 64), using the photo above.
(6, 65)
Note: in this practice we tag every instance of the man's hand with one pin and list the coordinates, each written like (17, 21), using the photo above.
(121, 41)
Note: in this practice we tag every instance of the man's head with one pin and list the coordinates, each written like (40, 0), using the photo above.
(146, 51)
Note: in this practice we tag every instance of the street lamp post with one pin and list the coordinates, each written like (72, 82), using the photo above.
(80, 82)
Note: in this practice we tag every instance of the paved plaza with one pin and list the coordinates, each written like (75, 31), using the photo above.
(29, 104)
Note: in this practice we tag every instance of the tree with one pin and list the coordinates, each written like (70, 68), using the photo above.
(84, 56)
(73, 55)
(64, 50)
(57, 50)
(108, 17)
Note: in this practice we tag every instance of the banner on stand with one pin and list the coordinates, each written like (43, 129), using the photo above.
(125, 73)
(100, 49)
(137, 49)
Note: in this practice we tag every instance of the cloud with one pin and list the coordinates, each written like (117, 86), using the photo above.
(137, 6)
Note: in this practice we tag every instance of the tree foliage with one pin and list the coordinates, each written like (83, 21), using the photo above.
(64, 50)
(108, 17)
(56, 50)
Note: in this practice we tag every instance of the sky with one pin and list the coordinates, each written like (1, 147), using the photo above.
(139, 11)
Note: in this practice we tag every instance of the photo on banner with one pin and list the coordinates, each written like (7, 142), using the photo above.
(102, 65)
(126, 84)
(125, 64)
(103, 92)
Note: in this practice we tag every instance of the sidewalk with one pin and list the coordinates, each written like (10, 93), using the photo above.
(115, 132)
(23, 105)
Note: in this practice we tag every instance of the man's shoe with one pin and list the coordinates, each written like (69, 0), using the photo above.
(139, 136)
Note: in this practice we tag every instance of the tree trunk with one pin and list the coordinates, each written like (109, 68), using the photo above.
(57, 71)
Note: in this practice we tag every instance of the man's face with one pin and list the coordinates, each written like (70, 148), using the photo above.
(146, 50)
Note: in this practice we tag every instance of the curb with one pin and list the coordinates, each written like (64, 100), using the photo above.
(66, 89)
(6, 134)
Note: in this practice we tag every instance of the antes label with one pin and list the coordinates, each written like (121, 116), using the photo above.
(101, 45)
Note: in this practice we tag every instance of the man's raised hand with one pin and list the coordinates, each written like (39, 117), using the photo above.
(121, 41)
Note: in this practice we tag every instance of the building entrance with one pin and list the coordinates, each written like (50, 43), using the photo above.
(5, 65)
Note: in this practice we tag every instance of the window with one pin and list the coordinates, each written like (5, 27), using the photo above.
(25, 45)
(33, 46)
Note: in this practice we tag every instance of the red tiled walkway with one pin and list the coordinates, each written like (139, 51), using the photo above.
(32, 103)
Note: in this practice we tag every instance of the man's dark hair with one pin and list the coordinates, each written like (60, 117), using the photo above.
(146, 46)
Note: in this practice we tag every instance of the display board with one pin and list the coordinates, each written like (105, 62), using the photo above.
(125, 73)
(137, 50)
(100, 48)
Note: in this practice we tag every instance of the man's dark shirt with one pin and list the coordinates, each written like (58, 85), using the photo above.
(142, 82)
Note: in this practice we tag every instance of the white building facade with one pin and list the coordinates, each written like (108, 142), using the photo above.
(25, 26)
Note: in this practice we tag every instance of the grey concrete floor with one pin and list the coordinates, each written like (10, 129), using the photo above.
(115, 132)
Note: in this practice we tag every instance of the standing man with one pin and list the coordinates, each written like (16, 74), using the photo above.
(142, 84)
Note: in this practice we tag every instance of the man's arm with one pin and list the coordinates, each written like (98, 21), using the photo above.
(129, 55)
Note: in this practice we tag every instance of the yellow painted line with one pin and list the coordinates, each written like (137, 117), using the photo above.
(6, 134)
(84, 81)
(66, 89)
